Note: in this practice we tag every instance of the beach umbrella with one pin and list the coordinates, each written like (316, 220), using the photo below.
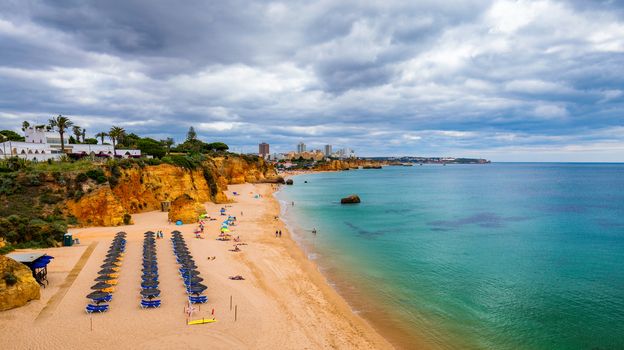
(101, 285)
(97, 295)
(106, 271)
(150, 277)
(190, 273)
(193, 280)
(150, 293)
(149, 284)
(109, 264)
(103, 278)
(197, 289)
(225, 230)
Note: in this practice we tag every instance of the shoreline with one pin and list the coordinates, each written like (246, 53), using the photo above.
(284, 301)
(378, 318)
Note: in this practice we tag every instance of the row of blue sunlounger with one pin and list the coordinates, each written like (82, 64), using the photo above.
(188, 270)
(107, 276)
(149, 279)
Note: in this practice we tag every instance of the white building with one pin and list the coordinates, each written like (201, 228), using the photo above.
(43, 145)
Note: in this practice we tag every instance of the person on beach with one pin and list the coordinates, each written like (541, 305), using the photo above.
(314, 231)
(280, 233)
(276, 233)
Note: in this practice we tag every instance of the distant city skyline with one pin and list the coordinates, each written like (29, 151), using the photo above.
(499, 79)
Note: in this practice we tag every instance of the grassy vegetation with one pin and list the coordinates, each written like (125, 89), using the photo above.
(63, 167)
(33, 195)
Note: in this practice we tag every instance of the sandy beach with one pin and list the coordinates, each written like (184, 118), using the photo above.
(283, 303)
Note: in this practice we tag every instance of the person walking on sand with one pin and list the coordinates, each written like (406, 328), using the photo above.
(276, 233)
(280, 233)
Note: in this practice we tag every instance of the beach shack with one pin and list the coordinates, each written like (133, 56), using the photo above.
(37, 262)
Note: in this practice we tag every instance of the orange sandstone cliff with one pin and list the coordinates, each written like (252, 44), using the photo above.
(141, 189)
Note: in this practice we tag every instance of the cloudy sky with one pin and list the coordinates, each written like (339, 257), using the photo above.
(504, 80)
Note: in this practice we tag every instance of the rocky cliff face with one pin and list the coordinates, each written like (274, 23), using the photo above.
(337, 165)
(22, 291)
(143, 189)
(186, 209)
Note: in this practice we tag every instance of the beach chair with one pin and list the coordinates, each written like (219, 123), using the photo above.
(96, 308)
(106, 299)
(150, 304)
(202, 299)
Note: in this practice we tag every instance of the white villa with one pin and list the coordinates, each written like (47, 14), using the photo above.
(43, 145)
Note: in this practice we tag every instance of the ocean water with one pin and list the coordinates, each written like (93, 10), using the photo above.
(498, 256)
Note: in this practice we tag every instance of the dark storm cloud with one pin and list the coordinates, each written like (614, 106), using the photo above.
(524, 80)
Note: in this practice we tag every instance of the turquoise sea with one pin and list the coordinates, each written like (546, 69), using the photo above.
(498, 256)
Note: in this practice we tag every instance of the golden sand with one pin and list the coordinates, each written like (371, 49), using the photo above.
(283, 303)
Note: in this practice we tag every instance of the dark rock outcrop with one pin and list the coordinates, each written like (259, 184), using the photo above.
(17, 285)
(352, 199)
(289, 182)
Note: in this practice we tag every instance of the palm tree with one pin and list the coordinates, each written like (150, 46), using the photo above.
(168, 142)
(78, 132)
(61, 124)
(25, 125)
(115, 134)
(84, 134)
(101, 135)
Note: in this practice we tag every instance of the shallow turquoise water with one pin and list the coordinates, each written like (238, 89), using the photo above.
(499, 256)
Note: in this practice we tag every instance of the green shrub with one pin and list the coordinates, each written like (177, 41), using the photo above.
(101, 179)
(95, 174)
(9, 278)
(72, 220)
(82, 177)
(32, 179)
(153, 161)
(49, 198)
(115, 171)
(8, 185)
(113, 181)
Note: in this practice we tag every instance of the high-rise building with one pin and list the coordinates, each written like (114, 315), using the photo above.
(301, 147)
(328, 150)
(263, 150)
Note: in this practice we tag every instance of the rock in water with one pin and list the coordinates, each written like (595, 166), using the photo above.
(17, 285)
(352, 199)
(186, 209)
(289, 182)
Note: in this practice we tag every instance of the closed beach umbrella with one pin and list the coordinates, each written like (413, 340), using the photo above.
(149, 284)
(97, 295)
(110, 264)
(150, 293)
(193, 280)
(103, 278)
(101, 285)
(191, 273)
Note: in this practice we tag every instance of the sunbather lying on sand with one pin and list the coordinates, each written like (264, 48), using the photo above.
(237, 278)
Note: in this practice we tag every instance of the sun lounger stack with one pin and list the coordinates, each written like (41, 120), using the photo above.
(149, 279)
(188, 270)
(107, 276)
